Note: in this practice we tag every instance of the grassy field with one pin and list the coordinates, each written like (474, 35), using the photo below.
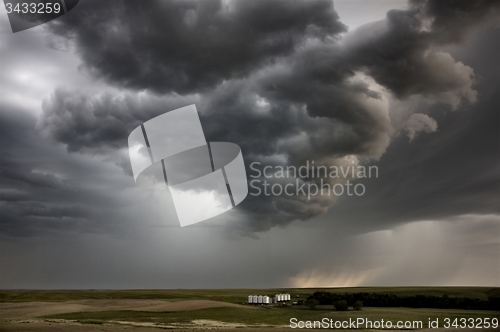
(274, 316)
(232, 295)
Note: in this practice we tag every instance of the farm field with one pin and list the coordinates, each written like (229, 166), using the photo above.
(232, 295)
(138, 310)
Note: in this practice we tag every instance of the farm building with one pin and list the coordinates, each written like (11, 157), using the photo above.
(264, 299)
(259, 299)
(282, 297)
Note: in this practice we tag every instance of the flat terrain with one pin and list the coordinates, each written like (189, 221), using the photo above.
(50, 327)
(75, 327)
(24, 310)
(200, 310)
(231, 295)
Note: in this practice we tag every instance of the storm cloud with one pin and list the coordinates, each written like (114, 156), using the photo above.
(413, 92)
(285, 88)
(186, 46)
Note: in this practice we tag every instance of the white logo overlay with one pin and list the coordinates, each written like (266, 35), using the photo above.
(205, 179)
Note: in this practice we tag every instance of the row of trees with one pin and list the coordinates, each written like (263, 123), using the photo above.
(338, 305)
(414, 301)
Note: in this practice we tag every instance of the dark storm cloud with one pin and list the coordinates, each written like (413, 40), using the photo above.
(73, 119)
(260, 135)
(398, 52)
(267, 75)
(44, 190)
(451, 20)
(77, 220)
(184, 46)
(22, 176)
(453, 171)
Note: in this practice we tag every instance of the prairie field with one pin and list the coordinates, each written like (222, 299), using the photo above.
(149, 310)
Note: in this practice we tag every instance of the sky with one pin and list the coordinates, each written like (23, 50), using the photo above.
(409, 87)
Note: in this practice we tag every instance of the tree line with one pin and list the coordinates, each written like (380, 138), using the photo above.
(412, 301)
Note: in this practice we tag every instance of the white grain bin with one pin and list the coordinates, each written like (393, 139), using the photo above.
(250, 298)
(259, 299)
(265, 299)
(254, 299)
(280, 297)
(288, 297)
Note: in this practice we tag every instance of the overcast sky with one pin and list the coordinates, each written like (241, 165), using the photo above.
(410, 87)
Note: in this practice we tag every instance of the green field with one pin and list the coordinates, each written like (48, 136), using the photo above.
(249, 315)
(233, 295)
(275, 316)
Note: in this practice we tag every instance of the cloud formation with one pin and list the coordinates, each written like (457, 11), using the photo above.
(72, 216)
(420, 123)
(186, 46)
(281, 86)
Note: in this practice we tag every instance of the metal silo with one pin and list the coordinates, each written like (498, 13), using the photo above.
(259, 299)
(254, 299)
(250, 297)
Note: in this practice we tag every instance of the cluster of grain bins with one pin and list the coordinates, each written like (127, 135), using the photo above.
(282, 298)
(264, 299)
(259, 299)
